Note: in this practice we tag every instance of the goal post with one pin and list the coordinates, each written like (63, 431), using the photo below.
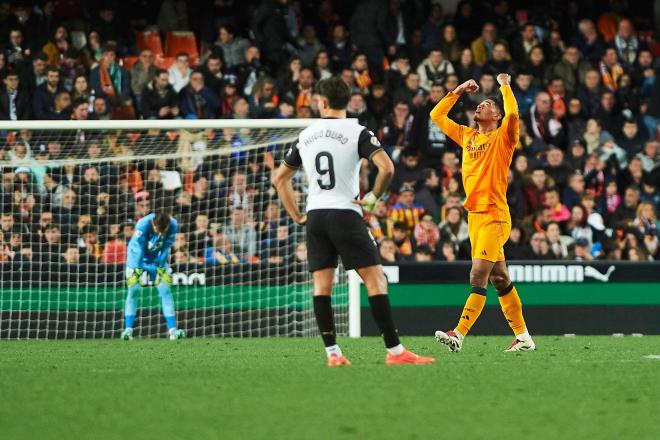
(72, 192)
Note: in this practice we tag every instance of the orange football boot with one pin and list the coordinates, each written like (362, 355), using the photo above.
(407, 357)
(337, 361)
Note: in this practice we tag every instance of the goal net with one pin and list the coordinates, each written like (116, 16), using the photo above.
(72, 192)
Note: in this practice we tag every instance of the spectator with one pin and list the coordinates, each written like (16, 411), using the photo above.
(35, 76)
(80, 109)
(378, 222)
(341, 49)
(610, 69)
(213, 75)
(407, 210)
(301, 92)
(357, 108)
(16, 52)
(62, 106)
(535, 191)
(524, 92)
(450, 45)
(388, 251)
(434, 69)
(626, 43)
(222, 251)
(558, 244)
(109, 79)
(556, 168)
(516, 248)
(500, 60)
(432, 30)
(539, 247)
(571, 69)
(411, 92)
(50, 248)
(308, 45)
(81, 88)
(159, 100)
(407, 172)
(466, 68)
(430, 141)
(100, 110)
(537, 66)
(428, 194)
(271, 32)
(321, 65)
(646, 222)
(143, 73)
(15, 103)
(482, 47)
(197, 101)
(583, 250)
(263, 101)
(589, 42)
(199, 238)
(242, 237)
(114, 251)
(397, 71)
(397, 131)
(630, 139)
(626, 212)
(454, 228)
(650, 156)
(560, 212)
(427, 233)
(44, 95)
(231, 47)
(486, 90)
(544, 127)
(524, 42)
(401, 234)
(180, 72)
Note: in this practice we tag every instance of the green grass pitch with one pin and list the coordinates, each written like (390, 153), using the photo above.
(571, 388)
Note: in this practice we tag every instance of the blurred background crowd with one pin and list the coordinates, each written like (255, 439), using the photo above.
(584, 183)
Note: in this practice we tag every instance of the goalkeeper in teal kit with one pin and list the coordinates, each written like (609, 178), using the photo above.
(149, 251)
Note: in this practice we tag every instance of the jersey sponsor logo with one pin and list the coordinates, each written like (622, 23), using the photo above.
(475, 151)
(571, 273)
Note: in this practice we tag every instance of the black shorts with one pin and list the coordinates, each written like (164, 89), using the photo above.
(339, 232)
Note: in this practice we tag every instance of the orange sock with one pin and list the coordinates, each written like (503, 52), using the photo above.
(472, 309)
(512, 309)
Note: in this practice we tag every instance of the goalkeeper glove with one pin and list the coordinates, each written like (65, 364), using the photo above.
(134, 278)
(163, 276)
(369, 201)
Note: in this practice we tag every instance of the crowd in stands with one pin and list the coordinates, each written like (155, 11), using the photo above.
(584, 183)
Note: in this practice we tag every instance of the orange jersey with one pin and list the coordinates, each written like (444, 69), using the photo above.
(486, 156)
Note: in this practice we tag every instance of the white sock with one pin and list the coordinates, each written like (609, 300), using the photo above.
(459, 334)
(129, 330)
(523, 336)
(396, 350)
(171, 331)
(333, 349)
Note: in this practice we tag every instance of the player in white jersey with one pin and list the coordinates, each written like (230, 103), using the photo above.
(330, 151)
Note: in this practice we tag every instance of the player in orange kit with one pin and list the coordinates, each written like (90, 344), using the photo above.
(487, 153)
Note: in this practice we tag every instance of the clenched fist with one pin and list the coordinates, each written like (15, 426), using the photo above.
(504, 79)
(469, 86)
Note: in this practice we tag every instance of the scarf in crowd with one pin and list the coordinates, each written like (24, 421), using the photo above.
(627, 49)
(110, 80)
(611, 76)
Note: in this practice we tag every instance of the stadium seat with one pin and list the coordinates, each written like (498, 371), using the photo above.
(149, 40)
(128, 62)
(182, 41)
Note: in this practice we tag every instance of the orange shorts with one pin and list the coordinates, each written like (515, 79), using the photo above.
(489, 230)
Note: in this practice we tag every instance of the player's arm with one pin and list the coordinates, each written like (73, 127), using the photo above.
(510, 122)
(136, 247)
(369, 148)
(282, 182)
(442, 108)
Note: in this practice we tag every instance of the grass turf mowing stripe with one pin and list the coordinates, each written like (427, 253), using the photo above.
(272, 388)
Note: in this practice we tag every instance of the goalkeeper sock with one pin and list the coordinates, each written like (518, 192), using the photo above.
(325, 320)
(472, 309)
(512, 309)
(382, 313)
(130, 310)
(168, 304)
